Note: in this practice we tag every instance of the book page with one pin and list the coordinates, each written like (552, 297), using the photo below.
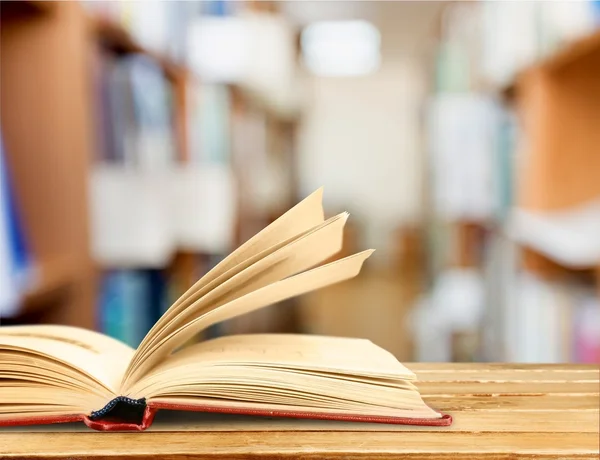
(39, 399)
(97, 361)
(301, 218)
(83, 338)
(227, 286)
(58, 370)
(290, 287)
(287, 372)
(341, 355)
(306, 251)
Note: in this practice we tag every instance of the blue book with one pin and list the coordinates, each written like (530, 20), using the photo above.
(125, 311)
(216, 8)
(15, 257)
(136, 308)
(152, 110)
(110, 306)
(158, 298)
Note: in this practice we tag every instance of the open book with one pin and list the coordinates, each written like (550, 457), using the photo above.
(51, 374)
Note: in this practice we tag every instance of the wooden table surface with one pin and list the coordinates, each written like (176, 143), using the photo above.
(501, 411)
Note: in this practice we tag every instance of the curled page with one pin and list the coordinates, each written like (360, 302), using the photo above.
(302, 283)
(301, 218)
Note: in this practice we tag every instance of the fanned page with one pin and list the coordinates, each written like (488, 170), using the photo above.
(297, 373)
(290, 287)
(276, 263)
(301, 218)
(250, 278)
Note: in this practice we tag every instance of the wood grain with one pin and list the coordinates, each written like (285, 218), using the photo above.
(452, 368)
(518, 403)
(312, 445)
(537, 424)
(506, 387)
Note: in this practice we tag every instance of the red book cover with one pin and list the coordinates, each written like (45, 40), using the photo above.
(125, 414)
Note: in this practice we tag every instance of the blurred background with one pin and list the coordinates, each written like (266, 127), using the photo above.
(143, 141)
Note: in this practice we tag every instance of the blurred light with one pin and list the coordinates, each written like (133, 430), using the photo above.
(220, 48)
(256, 51)
(341, 48)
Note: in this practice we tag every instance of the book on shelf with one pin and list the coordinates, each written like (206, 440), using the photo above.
(587, 332)
(209, 112)
(131, 302)
(158, 27)
(135, 111)
(52, 374)
(550, 321)
(16, 264)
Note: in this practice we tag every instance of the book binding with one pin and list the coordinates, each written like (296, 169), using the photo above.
(126, 414)
(121, 413)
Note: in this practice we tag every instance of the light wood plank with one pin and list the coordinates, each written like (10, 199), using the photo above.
(515, 403)
(541, 375)
(511, 367)
(505, 388)
(465, 421)
(533, 422)
(310, 445)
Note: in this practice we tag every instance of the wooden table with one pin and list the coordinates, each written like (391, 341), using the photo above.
(501, 411)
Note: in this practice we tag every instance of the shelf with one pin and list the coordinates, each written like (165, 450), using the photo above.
(116, 38)
(43, 61)
(245, 95)
(567, 237)
(575, 53)
(546, 268)
(26, 9)
(53, 276)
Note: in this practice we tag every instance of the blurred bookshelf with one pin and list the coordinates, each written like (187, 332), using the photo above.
(55, 276)
(575, 53)
(42, 61)
(557, 223)
(109, 130)
(562, 163)
(115, 37)
(512, 139)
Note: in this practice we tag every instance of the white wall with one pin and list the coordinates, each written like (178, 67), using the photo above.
(361, 137)
(360, 140)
